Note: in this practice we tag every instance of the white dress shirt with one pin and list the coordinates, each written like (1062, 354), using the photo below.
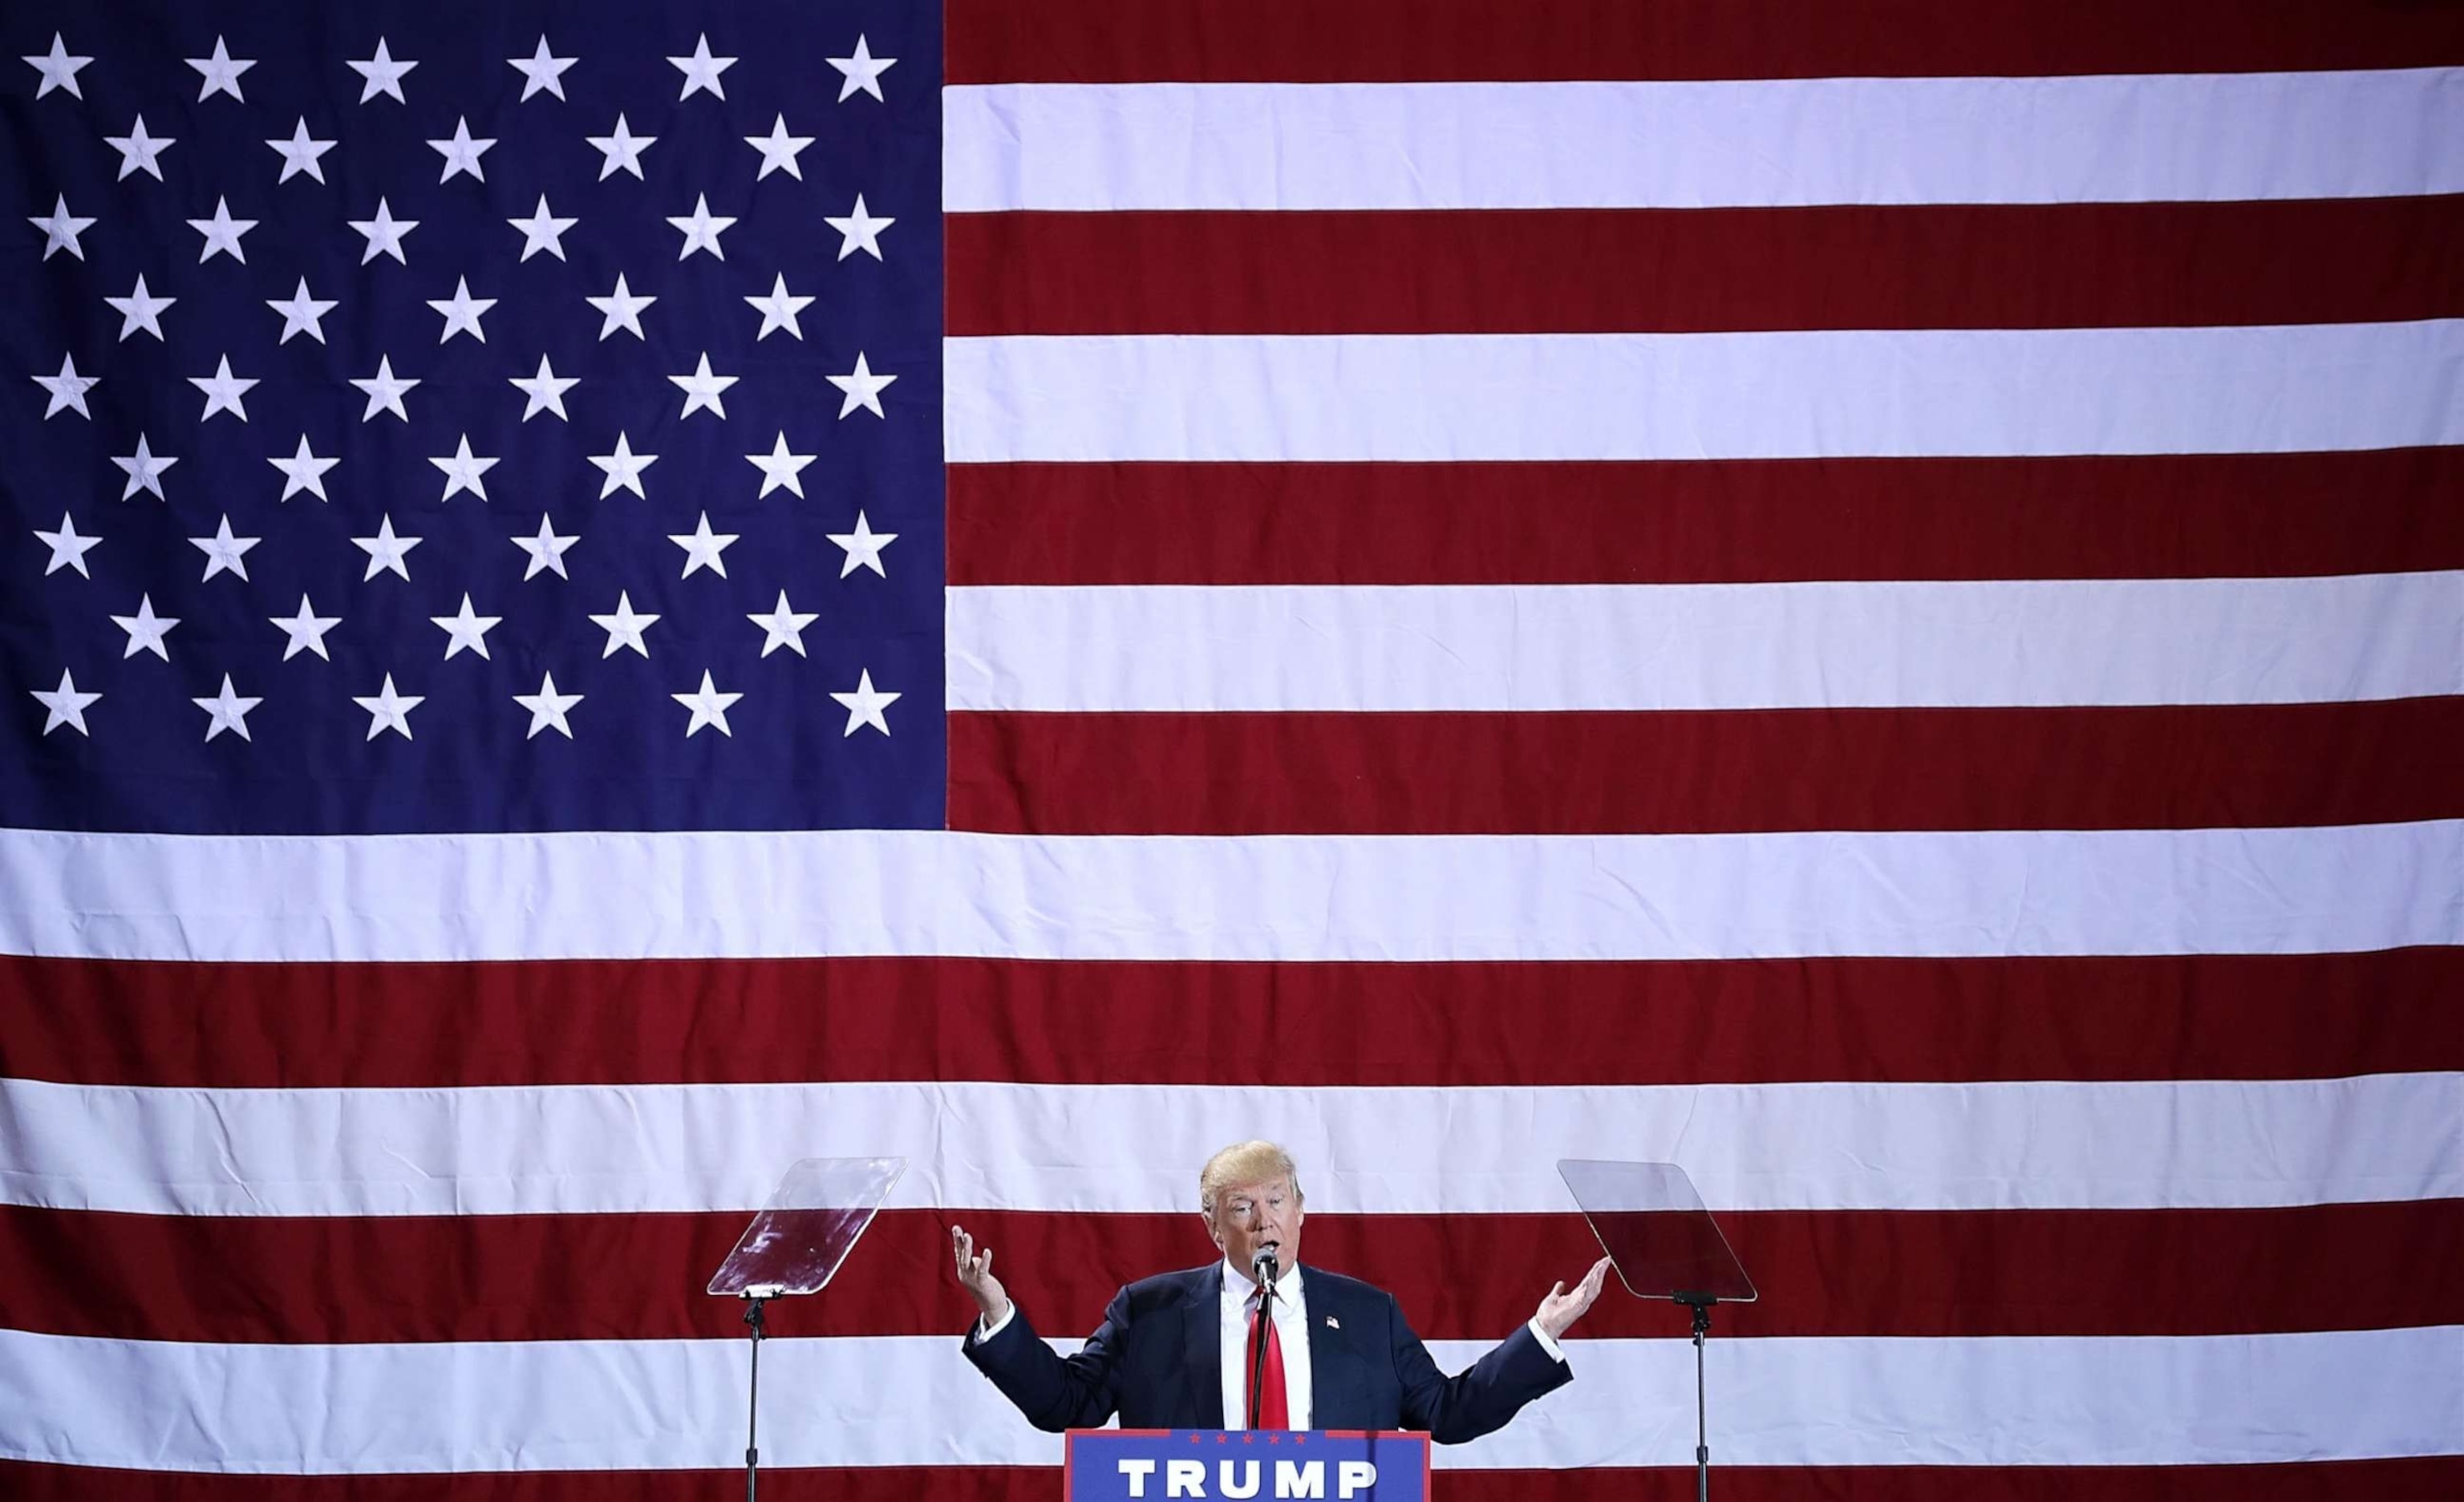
(1292, 1333)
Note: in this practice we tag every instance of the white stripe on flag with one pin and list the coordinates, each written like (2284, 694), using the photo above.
(1852, 393)
(572, 1149)
(1707, 646)
(2321, 889)
(913, 1400)
(2130, 138)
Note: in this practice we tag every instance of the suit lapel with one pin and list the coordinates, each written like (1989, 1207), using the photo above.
(1334, 1363)
(1202, 1335)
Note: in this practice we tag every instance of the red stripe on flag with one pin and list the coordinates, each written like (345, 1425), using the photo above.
(1857, 267)
(1742, 521)
(2430, 1479)
(1302, 41)
(1675, 1022)
(2230, 766)
(1834, 1273)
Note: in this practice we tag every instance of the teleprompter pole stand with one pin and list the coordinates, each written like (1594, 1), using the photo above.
(753, 1301)
(1701, 1304)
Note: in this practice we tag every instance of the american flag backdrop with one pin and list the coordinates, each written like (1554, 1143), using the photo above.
(598, 597)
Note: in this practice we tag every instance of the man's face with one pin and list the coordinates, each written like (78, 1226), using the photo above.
(1252, 1215)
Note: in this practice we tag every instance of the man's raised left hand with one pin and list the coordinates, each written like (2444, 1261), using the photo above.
(1560, 1311)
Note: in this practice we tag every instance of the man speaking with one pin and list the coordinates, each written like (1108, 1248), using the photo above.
(1183, 1350)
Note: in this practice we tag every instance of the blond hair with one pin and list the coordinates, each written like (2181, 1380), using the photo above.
(1244, 1163)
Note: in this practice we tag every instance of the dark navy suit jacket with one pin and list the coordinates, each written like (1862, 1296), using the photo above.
(1156, 1361)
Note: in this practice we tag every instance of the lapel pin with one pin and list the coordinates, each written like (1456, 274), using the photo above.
(1332, 1323)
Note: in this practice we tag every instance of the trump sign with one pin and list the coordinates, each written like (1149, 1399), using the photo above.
(1245, 1466)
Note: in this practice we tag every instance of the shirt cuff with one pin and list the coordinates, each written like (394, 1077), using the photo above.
(982, 1333)
(1548, 1343)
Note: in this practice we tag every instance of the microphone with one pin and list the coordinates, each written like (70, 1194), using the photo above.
(1261, 1267)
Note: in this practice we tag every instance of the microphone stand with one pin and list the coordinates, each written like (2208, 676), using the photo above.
(1261, 1267)
(1701, 1304)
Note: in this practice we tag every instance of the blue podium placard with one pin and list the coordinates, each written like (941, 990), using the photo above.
(1245, 1466)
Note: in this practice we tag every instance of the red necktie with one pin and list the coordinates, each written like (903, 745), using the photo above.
(1274, 1411)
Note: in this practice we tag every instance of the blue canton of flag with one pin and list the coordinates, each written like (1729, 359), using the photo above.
(427, 418)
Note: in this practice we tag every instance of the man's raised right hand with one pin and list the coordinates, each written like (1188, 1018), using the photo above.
(975, 1275)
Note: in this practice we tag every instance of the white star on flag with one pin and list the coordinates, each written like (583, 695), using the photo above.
(547, 550)
(624, 468)
(462, 152)
(863, 547)
(623, 151)
(859, 230)
(305, 632)
(385, 390)
(229, 712)
(624, 310)
(65, 704)
(60, 230)
(146, 629)
(463, 471)
(139, 150)
(863, 389)
(702, 229)
(68, 547)
(144, 470)
(140, 310)
(865, 705)
(548, 707)
(542, 72)
(701, 71)
(222, 233)
(388, 710)
(625, 627)
(708, 706)
(462, 312)
(781, 468)
(58, 69)
(778, 309)
(778, 151)
(542, 231)
(302, 313)
(703, 547)
(221, 73)
(384, 234)
(386, 552)
(224, 553)
(466, 630)
(299, 153)
(703, 390)
(68, 390)
(547, 390)
(224, 391)
(863, 71)
(304, 472)
(382, 74)
(784, 627)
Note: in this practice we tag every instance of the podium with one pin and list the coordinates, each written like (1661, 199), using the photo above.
(1245, 1466)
